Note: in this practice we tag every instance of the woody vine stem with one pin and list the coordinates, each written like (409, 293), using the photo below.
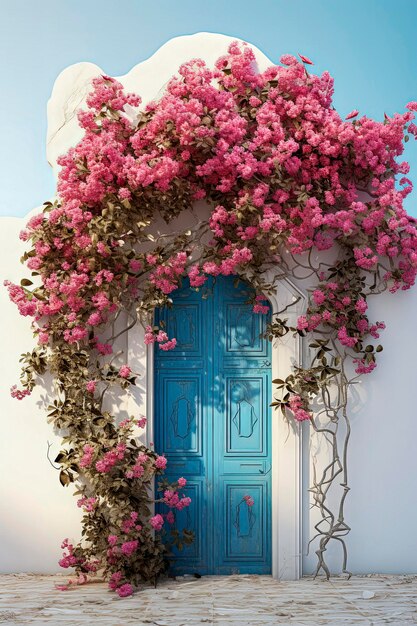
(324, 386)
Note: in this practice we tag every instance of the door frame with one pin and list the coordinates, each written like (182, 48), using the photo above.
(286, 435)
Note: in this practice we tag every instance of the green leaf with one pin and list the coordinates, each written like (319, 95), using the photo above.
(25, 282)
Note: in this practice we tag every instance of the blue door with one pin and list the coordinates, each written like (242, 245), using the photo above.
(213, 423)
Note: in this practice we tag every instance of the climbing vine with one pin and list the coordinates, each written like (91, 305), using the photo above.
(287, 184)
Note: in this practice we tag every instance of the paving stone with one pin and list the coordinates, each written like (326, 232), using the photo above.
(213, 600)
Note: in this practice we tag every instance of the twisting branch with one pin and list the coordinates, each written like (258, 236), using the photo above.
(56, 467)
(278, 313)
(323, 388)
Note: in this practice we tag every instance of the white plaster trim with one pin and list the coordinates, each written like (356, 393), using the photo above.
(286, 449)
(150, 364)
(286, 437)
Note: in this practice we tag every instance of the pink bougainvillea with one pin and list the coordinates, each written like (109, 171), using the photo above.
(280, 170)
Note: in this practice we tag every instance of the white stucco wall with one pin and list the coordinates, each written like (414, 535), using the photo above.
(37, 512)
(382, 506)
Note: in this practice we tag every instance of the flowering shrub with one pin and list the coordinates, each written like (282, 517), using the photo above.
(285, 179)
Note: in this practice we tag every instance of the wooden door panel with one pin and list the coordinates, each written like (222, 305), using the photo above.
(213, 423)
(244, 410)
(180, 402)
(246, 531)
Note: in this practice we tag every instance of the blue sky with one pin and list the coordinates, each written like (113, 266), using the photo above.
(369, 46)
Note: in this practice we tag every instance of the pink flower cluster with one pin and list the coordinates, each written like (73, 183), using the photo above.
(159, 336)
(259, 307)
(131, 523)
(126, 543)
(173, 500)
(363, 366)
(141, 422)
(160, 462)
(157, 521)
(342, 306)
(138, 469)
(123, 590)
(69, 559)
(129, 547)
(87, 458)
(19, 394)
(345, 339)
(238, 258)
(298, 409)
(25, 305)
(88, 504)
(129, 421)
(165, 276)
(125, 371)
(170, 517)
(105, 464)
(91, 386)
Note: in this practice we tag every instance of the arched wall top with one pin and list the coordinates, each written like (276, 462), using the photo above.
(147, 78)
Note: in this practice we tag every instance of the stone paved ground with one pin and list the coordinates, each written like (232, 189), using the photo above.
(228, 601)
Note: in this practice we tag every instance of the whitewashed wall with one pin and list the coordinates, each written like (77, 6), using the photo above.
(36, 512)
(382, 505)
